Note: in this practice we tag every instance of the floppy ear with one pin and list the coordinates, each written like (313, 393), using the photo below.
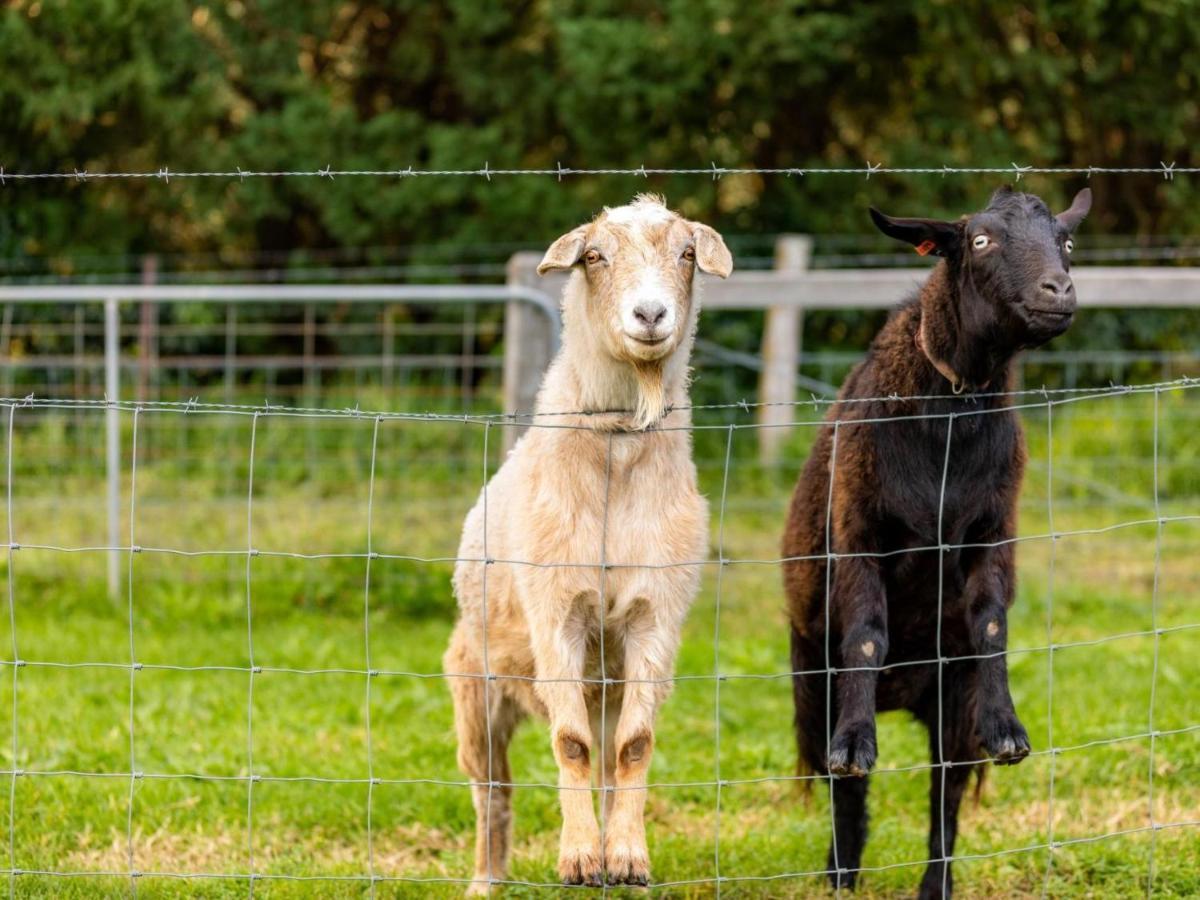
(929, 236)
(1080, 206)
(564, 252)
(712, 255)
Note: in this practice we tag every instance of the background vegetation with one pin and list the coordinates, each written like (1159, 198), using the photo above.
(263, 84)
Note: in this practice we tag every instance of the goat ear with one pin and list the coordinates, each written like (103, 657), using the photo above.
(564, 252)
(712, 255)
(1080, 206)
(929, 236)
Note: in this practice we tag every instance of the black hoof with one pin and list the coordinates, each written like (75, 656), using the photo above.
(1005, 739)
(628, 878)
(852, 751)
(844, 880)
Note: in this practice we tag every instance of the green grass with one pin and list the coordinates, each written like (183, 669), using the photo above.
(310, 497)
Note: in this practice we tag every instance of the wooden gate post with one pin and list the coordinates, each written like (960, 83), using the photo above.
(781, 352)
(527, 345)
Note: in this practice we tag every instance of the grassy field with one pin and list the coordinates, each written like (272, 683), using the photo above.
(1094, 590)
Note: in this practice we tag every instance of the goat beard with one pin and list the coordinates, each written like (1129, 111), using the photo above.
(651, 395)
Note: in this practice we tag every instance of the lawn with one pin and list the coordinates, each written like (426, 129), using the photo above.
(1115, 593)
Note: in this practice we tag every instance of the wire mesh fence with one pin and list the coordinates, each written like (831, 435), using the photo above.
(264, 704)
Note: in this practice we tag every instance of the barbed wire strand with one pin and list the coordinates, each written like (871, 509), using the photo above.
(1164, 171)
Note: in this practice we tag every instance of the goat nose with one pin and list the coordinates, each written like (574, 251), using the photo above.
(650, 314)
(1057, 285)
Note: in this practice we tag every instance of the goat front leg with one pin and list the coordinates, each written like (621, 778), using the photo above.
(651, 642)
(859, 613)
(560, 653)
(989, 592)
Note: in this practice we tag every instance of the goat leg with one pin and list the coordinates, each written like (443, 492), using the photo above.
(989, 592)
(651, 641)
(559, 647)
(860, 608)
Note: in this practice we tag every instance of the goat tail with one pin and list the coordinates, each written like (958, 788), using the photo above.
(809, 702)
(980, 778)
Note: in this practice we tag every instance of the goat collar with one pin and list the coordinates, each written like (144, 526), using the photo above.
(958, 384)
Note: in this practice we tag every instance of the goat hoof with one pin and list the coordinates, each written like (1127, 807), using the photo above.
(624, 864)
(844, 880)
(580, 867)
(642, 880)
(852, 751)
(1006, 740)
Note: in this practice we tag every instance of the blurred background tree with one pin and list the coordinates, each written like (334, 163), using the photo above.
(133, 85)
(103, 86)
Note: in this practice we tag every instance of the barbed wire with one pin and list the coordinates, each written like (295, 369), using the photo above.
(1163, 170)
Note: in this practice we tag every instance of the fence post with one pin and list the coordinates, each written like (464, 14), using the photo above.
(527, 343)
(781, 352)
(112, 434)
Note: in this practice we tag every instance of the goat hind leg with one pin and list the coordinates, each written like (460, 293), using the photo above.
(948, 784)
(485, 720)
(849, 831)
(951, 752)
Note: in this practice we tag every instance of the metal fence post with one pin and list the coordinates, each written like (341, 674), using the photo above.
(528, 344)
(781, 352)
(112, 433)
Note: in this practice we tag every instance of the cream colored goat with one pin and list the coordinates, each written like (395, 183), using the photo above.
(591, 518)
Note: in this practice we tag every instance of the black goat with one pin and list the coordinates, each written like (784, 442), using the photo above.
(915, 527)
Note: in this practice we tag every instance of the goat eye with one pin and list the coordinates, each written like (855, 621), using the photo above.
(690, 254)
(1069, 245)
(980, 241)
(591, 257)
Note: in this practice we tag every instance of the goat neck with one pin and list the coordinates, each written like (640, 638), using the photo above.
(966, 359)
(607, 391)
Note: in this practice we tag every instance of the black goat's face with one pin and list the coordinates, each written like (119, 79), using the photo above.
(1010, 260)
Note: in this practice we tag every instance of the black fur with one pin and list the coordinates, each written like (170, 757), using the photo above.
(896, 498)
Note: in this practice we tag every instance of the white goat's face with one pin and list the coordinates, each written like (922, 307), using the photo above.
(639, 261)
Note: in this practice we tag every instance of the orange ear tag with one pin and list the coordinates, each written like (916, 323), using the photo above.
(926, 247)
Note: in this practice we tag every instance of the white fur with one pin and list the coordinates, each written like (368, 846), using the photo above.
(578, 490)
